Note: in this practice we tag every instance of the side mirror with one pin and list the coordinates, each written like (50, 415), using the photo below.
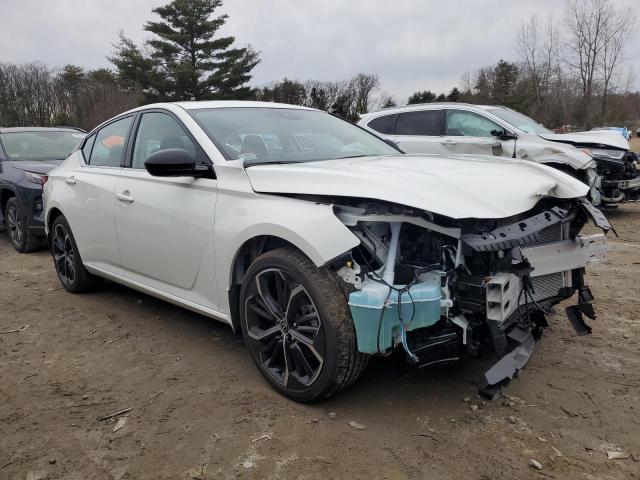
(175, 162)
(504, 135)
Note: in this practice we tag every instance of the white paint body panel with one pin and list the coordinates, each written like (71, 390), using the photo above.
(604, 137)
(455, 186)
(166, 235)
(90, 201)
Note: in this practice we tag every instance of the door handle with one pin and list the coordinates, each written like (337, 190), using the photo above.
(448, 142)
(70, 180)
(125, 197)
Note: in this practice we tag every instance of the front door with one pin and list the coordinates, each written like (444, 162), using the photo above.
(165, 225)
(471, 133)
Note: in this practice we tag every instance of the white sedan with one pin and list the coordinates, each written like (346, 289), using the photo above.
(320, 242)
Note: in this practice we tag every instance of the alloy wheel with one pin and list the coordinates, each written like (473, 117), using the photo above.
(284, 329)
(14, 225)
(63, 254)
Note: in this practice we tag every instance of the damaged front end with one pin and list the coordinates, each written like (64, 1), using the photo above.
(444, 289)
(618, 175)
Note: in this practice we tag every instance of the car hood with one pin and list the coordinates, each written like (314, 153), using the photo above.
(464, 186)
(607, 138)
(41, 167)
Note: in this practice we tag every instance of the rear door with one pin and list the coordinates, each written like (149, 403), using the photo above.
(471, 133)
(165, 225)
(420, 131)
(89, 194)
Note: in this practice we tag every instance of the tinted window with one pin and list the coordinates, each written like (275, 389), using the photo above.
(88, 145)
(383, 124)
(158, 131)
(108, 149)
(425, 122)
(469, 124)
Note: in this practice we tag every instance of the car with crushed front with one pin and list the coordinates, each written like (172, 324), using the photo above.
(321, 243)
(601, 159)
(27, 154)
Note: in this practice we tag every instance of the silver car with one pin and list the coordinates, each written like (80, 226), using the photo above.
(603, 160)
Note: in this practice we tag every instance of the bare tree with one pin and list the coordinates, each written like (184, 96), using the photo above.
(364, 85)
(590, 25)
(537, 45)
(34, 94)
(619, 33)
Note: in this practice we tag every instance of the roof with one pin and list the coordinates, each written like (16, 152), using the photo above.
(236, 104)
(202, 104)
(429, 105)
(39, 129)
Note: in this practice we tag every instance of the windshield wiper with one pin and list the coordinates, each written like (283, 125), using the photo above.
(352, 156)
(253, 163)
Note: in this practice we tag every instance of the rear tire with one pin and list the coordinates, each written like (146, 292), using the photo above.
(66, 258)
(297, 325)
(21, 237)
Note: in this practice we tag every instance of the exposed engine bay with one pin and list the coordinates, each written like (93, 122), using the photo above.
(618, 174)
(444, 289)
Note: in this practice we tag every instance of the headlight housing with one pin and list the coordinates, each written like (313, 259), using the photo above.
(36, 178)
(605, 153)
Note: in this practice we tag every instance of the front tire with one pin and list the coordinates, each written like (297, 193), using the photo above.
(297, 325)
(21, 237)
(66, 258)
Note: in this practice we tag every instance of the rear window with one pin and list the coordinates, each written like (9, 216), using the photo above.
(40, 145)
(425, 122)
(383, 124)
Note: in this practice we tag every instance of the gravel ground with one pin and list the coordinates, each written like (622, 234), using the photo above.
(200, 410)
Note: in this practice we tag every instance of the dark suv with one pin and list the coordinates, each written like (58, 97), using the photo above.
(27, 154)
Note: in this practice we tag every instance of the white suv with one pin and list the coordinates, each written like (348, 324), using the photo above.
(602, 159)
(319, 242)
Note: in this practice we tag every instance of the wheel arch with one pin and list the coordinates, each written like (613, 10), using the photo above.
(251, 249)
(5, 195)
(52, 214)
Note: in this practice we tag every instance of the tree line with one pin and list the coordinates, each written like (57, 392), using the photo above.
(568, 72)
(34, 94)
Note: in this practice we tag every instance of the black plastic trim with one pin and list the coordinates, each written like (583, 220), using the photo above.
(524, 232)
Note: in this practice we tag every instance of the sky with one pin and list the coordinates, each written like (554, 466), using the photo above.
(411, 44)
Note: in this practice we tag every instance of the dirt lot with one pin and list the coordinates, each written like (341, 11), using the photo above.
(200, 410)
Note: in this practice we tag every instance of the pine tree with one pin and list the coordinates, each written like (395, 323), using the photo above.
(425, 96)
(454, 95)
(187, 59)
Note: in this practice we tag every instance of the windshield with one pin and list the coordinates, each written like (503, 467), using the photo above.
(267, 135)
(40, 145)
(518, 120)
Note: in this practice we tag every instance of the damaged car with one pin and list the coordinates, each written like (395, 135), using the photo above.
(321, 243)
(601, 159)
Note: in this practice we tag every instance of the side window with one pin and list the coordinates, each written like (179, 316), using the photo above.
(108, 148)
(424, 122)
(383, 124)
(159, 131)
(469, 124)
(88, 145)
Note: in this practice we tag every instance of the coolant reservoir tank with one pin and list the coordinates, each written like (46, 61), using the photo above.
(380, 312)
